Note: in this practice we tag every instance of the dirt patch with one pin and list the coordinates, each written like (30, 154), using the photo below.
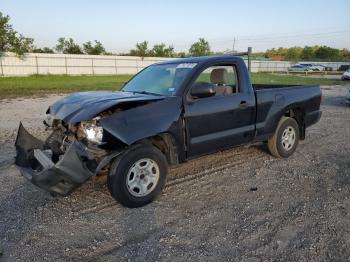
(240, 204)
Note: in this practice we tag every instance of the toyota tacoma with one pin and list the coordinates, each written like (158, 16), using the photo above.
(169, 113)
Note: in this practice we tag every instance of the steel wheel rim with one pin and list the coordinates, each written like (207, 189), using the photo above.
(288, 138)
(142, 177)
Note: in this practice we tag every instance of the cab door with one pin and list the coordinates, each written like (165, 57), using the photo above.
(220, 121)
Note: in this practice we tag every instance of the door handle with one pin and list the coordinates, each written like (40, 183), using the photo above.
(243, 104)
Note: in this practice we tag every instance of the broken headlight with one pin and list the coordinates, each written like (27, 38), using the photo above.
(93, 132)
(49, 120)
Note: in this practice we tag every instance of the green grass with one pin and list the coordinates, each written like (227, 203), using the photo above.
(42, 85)
(46, 84)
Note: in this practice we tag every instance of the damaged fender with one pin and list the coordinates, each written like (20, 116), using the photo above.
(145, 121)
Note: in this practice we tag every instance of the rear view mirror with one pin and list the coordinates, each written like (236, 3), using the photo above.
(202, 90)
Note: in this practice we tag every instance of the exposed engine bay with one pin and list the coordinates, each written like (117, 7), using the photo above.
(89, 133)
(70, 155)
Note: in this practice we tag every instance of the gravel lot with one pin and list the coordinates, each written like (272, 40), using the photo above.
(209, 210)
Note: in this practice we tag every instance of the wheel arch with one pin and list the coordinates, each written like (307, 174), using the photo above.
(298, 114)
(166, 143)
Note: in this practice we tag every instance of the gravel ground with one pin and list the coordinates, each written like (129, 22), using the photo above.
(240, 204)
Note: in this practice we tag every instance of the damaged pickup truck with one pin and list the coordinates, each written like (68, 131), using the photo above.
(167, 114)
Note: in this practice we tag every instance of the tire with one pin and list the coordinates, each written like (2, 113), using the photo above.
(138, 176)
(278, 144)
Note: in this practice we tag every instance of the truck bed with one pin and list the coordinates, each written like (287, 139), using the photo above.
(270, 86)
(274, 100)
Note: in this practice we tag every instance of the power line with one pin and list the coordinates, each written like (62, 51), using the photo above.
(273, 37)
(280, 37)
(298, 35)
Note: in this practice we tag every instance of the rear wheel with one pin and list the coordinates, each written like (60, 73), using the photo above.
(285, 139)
(138, 176)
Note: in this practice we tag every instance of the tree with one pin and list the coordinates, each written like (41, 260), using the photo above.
(181, 54)
(345, 54)
(68, 46)
(293, 54)
(200, 48)
(161, 50)
(97, 49)
(141, 49)
(327, 53)
(10, 40)
(279, 53)
(307, 53)
(45, 50)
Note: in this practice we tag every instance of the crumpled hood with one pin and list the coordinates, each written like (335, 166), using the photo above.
(83, 106)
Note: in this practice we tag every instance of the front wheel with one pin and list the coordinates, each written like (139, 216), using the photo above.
(138, 176)
(285, 139)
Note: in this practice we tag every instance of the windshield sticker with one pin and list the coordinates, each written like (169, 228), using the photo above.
(186, 65)
(171, 89)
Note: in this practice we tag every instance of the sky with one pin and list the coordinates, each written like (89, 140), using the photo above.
(226, 24)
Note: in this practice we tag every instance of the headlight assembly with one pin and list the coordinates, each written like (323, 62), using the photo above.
(49, 120)
(92, 131)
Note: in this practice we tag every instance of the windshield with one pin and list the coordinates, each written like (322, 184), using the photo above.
(164, 79)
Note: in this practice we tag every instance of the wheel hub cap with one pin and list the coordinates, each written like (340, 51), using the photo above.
(288, 138)
(142, 177)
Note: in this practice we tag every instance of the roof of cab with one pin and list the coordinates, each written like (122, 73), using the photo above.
(201, 59)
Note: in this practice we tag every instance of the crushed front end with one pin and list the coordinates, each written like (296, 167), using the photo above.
(66, 159)
(88, 130)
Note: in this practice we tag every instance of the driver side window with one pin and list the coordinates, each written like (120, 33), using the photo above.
(224, 79)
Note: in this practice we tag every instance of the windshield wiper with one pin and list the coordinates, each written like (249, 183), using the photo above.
(146, 93)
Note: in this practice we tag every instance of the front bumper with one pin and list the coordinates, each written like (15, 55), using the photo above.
(35, 164)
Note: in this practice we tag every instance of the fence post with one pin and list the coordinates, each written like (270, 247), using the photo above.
(65, 64)
(2, 70)
(36, 65)
(92, 66)
(115, 66)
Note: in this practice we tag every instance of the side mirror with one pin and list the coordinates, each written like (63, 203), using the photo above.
(202, 90)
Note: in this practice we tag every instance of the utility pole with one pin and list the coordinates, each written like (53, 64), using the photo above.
(250, 52)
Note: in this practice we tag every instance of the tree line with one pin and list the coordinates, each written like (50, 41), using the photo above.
(308, 53)
(142, 49)
(12, 41)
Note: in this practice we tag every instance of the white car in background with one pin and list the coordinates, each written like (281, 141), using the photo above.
(312, 67)
(315, 67)
(346, 75)
(299, 68)
(318, 67)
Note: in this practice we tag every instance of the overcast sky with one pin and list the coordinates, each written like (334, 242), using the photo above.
(120, 24)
